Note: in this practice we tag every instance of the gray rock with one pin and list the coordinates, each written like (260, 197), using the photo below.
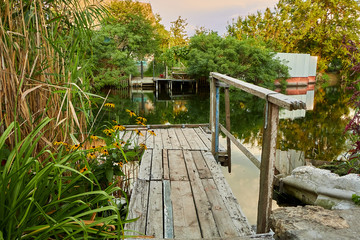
(315, 222)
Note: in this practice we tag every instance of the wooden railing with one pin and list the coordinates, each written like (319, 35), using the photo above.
(274, 101)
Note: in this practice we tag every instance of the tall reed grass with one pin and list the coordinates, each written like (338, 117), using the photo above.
(44, 70)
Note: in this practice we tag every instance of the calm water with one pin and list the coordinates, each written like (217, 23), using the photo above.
(322, 128)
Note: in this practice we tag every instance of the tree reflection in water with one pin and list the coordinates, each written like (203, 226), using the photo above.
(319, 134)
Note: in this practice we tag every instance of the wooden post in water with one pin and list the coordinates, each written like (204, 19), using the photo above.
(267, 166)
(227, 112)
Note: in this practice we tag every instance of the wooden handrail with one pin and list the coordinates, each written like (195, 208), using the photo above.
(274, 101)
(278, 99)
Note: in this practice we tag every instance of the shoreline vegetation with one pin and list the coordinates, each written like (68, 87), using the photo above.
(61, 168)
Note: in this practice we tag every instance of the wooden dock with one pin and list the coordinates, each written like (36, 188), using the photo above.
(181, 192)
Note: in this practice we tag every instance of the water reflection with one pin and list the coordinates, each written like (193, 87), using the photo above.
(318, 135)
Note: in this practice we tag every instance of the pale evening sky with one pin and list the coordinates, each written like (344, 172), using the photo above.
(211, 14)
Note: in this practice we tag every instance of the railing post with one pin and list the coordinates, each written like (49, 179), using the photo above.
(214, 117)
(267, 167)
(227, 113)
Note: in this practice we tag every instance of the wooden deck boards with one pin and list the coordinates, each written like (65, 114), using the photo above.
(181, 192)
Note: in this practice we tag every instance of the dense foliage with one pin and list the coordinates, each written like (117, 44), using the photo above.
(316, 27)
(124, 38)
(243, 59)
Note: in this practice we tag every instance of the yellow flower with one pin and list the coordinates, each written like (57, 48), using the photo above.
(119, 127)
(114, 121)
(108, 130)
(131, 113)
(75, 147)
(83, 169)
(138, 132)
(140, 123)
(143, 146)
(60, 143)
(111, 105)
(105, 152)
(122, 142)
(142, 119)
(116, 145)
(93, 137)
(152, 132)
(120, 164)
(91, 155)
(109, 134)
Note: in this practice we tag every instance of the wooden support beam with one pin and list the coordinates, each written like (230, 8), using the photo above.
(241, 147)
(227, 114)
(267, 167)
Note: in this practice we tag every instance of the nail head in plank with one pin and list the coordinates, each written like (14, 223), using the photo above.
(149, 140)
(177, 166)
(203, 207)
(165, 139)
(168, 210)
(145, 165)
(204, 171)
(154, 225)
(186, 224)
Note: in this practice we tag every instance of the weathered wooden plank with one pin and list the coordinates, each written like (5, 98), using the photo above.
(145, 166)
(267, 167)
(221, 215)
(166, 170)
(168, 211)
(149, 140)
(177, 166)
(120, 134)
(206, 218)
(127, 135)
(231, 203)
(158, 139)
(186, 224)
(134, 139)
(183, 142)
(241, 147)
(174, 139)
(278, 99)
(165, 139)
(203, 137)
(157, 165)
(154, 225)
(193, 139)
(202, 168)
(138, 208)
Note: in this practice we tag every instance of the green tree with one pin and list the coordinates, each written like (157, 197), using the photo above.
(316, 27)
(129, 34)
(245, 59)
(178, 36)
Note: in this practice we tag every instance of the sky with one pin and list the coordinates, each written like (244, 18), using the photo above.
(212, 14)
